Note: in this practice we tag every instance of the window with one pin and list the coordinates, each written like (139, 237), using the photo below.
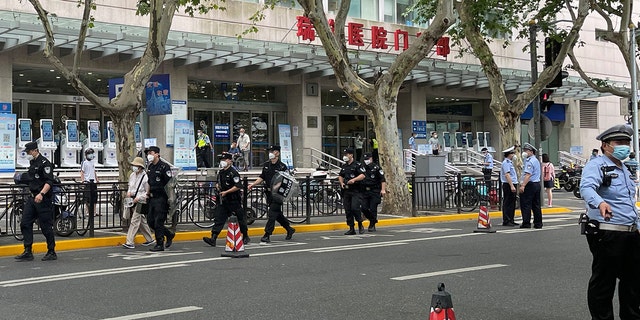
(589, 114)
(497, 30)
(364, 9)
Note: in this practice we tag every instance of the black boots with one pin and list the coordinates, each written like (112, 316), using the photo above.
(266, 238)
(27, 255)
(50, 256)
(157, 247)
(372, 227)
(170, 237)
(351, 232)
(211, 241)
(290, 233)
(360, 227)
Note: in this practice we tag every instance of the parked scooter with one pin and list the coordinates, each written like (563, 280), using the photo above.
(65, 222)
(569, 177)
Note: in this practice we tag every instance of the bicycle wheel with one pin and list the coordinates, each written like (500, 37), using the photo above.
(198, 213)
(82, 220)
(470, 199)
(64, 226)
(257, 201)
(327, 200)
(15, 218)
(251, 215)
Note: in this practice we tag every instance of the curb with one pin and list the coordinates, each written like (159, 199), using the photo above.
(112, 241)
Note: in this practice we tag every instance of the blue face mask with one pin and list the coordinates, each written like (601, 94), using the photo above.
(621, 152)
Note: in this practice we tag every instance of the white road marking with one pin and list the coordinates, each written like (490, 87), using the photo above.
(355, 237)
(451, 271)
(137, 255)
(424, 230)
(156, 313)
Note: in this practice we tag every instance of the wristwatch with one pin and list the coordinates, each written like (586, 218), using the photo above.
(42, 194)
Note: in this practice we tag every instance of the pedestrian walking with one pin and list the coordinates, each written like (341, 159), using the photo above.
(89, 179)
(350, 178)
(359, 144)
(269, 170)
(548, 178)
(229, 200)
(612, 230)
(244, 143)
(158, 175)
(39, 204)
(509, 180)
(138, 190)
(435, 143)
(203, 147)
(412, 142)
(530, 188)
(374, 186)
(487, 166)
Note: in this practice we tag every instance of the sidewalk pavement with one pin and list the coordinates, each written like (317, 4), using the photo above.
(564, 202)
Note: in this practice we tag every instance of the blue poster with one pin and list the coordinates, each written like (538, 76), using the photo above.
(221, 131)
(25, 130)
(47, 130)
(94, 131)
(8, 142)
(136, 133)
(286, 155)
(5, 107)
(158, 95)
(184, 156)
(72, 131)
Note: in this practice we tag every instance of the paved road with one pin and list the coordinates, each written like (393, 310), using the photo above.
(512, 274)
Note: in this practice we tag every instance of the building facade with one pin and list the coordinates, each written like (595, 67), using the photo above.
(281, 75)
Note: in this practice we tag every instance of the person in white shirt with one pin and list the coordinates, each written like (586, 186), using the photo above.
(138, 189)
(89, 178)
(244, 143)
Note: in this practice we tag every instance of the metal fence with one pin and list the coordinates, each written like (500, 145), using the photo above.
(459, 193)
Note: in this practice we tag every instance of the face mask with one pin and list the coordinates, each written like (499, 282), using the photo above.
(271, 155)
(134, 168)
(223, 164)
(367, 162)
(525, 155)
(345, 159)
(435, 136)
(621, 152)
(90, 156)
(150, 157)
(29, 157)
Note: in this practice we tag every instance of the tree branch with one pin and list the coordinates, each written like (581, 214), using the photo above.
(82, 35)
(597, 8)
(589, 81)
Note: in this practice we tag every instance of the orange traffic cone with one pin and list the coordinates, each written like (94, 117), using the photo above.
(441, 305)
(484, 221)
(235, 245)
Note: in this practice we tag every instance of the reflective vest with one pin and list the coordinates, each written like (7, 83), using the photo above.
(375, 143)
(202, 141)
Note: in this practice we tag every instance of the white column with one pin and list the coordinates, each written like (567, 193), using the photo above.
(6, 69)
(304, 109)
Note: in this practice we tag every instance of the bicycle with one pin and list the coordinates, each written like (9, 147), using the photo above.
(70, 217)
(322, 191)
(257, 207)
(13, 211)
(200, 204)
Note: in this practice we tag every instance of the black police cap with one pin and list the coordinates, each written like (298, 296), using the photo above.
(274, 147)
(30, 146)
(225, 156)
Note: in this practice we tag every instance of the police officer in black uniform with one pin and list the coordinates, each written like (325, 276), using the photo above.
(350, 177)
(374, 186)
(229, 200)
(269, 169)
(39, 205)
(158, 173)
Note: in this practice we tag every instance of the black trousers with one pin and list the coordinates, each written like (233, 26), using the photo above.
(224, 210)
(508, 203)
(616, 256)
(203, 157)
(275, 214)
(42, 211)
(370, 201)
(157, 216)
(530, 201)
(351, 200)
(487, 177)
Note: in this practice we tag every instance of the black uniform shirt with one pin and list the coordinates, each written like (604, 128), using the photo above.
(350, 171)
(40, 173)
(228, 178)
(269, 170)
(159, 175)
(374, 177)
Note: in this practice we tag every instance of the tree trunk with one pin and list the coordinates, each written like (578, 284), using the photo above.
(397, 201)
(123, 123)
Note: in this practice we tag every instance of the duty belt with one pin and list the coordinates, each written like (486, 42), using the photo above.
(367, 188)
(618, 227)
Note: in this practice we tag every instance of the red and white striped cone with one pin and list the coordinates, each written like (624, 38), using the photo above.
(235, 245)
(484, 220)
(441, 305)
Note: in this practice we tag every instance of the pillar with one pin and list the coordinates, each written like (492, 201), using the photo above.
(305, 117)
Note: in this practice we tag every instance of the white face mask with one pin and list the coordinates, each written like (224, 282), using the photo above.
(345, 159)
(525, 155)
(91, 156)
(271, 155)
(367, 162)
(223, 164)
(135, 169)
(150, 157)
(29, 157)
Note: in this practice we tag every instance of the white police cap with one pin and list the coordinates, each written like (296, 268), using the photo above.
(509, 150)
(619, 132)
(528, 146)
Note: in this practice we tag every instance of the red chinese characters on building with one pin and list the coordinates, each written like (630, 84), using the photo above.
(355, 34)
(305, 29)
(405, 39)
(442, 47)
(378, 38)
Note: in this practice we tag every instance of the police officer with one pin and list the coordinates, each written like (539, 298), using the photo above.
(487, 166)
(350, 178)
(203, 148)
(509, 180)
(609, 192)
(530, 188)
(269, 169)
(229, 200)
(374, 186)
(159, 174)
(39, 205)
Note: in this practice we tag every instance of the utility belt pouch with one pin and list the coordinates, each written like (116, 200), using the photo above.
(588, 226)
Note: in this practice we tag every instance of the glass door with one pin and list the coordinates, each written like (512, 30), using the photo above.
(221, 141)
(260, 137)
(330, 135)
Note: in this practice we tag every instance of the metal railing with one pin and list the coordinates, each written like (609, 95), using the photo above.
(319, 158)
(568, 159)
